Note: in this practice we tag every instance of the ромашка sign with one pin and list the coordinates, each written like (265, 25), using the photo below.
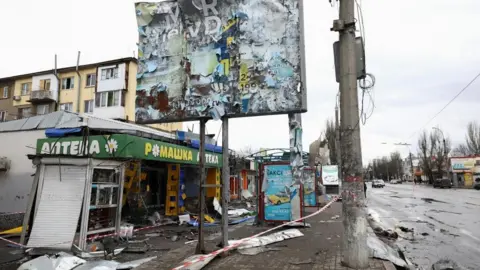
(125, 146)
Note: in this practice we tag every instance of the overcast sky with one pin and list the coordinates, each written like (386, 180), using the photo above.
(421, 53)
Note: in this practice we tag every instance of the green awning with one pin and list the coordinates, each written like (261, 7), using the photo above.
(124, 146)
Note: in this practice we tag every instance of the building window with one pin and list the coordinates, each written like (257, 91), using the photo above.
(25, 89)
(91, 80)
(107, 99)
(24, 112)
(68, 83)
(88, 108)
(44, 84)
(5, 92)
(68, 107)
(43, 109)
(109, 73)
(3, 116)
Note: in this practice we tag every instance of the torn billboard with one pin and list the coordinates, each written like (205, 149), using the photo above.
(209, 58)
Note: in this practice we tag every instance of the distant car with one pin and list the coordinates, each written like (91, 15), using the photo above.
(378, 183)
(395, 181)
(442, 183)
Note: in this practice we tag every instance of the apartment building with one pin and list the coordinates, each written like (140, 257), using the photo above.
(106, 89)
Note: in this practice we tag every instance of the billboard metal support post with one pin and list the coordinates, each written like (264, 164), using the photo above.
(354, 246)
(201, 245)
(296, 161)
(225, 181)
(337, 145)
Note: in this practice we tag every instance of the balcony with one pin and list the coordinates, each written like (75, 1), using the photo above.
(41, 96)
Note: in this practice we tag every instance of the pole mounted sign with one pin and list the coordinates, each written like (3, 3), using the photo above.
(215, 58)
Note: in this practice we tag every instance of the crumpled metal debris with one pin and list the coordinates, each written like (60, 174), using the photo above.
(267, 239)
(380, 250)
(65, 261)
(59, 261)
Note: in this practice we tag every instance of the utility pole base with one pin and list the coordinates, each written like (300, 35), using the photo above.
(355, 254)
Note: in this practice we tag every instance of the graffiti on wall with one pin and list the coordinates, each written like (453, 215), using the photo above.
(209, 58)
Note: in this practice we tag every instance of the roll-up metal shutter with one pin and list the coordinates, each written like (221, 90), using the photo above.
(59, 208)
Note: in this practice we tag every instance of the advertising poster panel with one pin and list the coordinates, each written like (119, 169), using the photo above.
(330, 175)
(199, 58)
(278, 194)
(309, 188)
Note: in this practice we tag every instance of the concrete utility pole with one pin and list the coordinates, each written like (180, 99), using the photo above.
(225, 181)
(337, 144)
(201, 219)
(355, 249)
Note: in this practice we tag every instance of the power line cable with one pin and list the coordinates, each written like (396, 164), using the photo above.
(444, 107)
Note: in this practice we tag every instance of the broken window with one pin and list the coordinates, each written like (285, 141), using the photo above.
(109, 73)
(68, 83)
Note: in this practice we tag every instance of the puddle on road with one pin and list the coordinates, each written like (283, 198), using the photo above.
(430, 200)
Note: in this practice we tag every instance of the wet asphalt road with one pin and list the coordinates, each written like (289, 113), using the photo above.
(446, 227)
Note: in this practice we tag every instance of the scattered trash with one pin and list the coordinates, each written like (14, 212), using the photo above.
(209, 218)
(183, 219)
(405, 229)
(99, 265)
(335, 217)
(309, 261)
(136, 263)
(446, 264)
(59, 261)
(97, 254)
(246, 194)
(257, 250)
(190, 242)
(174, 238)
(299, 225)
(239, 212)
(152, 235)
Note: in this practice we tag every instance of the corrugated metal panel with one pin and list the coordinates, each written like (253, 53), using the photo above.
(60, 205)
(33, 122)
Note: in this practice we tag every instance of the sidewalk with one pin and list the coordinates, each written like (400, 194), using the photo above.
(319, 248)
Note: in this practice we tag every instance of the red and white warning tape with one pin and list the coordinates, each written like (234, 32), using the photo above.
(13, 243)
(216, 252)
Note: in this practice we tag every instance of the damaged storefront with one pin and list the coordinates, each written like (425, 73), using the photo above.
(100, 182)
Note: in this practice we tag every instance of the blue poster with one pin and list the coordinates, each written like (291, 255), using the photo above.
(278, 193)
(309, 194)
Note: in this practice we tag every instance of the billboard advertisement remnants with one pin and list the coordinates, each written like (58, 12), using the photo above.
(210, 58)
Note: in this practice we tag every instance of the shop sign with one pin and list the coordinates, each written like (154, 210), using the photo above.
(177, 153)
(462, 164)
(124, 146)
(96, 146)
(278, 192)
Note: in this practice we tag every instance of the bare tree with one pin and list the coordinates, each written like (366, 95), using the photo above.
(472, 138)
(247, 151)
(331, 136)
(461, 150)
(425, 152)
